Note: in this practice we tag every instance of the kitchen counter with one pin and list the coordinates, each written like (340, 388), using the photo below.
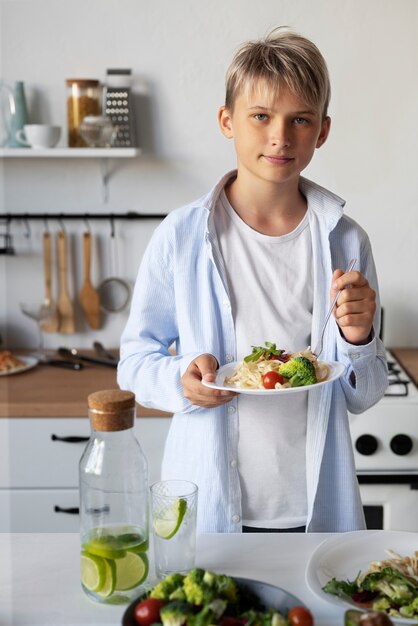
(408, 358)
(39, 576)
(47, 391)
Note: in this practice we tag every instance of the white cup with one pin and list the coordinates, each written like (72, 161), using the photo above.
(39, 135)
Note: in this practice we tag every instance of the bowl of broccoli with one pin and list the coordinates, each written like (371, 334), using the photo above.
(204, 598)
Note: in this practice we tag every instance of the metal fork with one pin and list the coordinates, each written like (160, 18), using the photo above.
(319, 345)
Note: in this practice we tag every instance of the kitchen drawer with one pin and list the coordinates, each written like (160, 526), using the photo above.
(37, 452)
(39, 510)
(42, 452)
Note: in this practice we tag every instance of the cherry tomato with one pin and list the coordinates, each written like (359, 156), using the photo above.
(271, 378)
(147, 612)
(299, 616)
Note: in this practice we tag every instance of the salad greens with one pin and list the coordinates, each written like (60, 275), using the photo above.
(265, 352)
(387, 590)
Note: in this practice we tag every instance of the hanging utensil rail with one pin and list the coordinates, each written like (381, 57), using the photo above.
(130, 215)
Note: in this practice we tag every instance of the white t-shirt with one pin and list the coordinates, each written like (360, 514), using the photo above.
(271, 289)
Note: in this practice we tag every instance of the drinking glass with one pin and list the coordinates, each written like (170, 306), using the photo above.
(173, 511)
(40, 314)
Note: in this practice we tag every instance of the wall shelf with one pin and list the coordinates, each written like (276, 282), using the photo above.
(68, 153)
(104, 154)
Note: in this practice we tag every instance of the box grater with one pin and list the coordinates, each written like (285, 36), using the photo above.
(119, 106)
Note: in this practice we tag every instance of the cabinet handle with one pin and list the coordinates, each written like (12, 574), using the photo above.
(71, 511)
(69, 439)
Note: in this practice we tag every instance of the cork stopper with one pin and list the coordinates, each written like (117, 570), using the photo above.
(111, 410)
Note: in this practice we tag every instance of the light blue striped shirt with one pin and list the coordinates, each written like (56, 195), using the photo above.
(181, 296)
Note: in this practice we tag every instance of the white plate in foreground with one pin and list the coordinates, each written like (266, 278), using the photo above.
(336, 370)
(345, 554)
(29, 361)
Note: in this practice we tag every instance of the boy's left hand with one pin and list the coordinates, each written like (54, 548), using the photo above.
(356, 306)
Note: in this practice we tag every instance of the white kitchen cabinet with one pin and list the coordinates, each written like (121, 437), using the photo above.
(39, 469)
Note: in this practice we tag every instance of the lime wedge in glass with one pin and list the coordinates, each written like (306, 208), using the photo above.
(110, 579)
(107, 546)
(169, 521)
(131, 571)
(93, 571)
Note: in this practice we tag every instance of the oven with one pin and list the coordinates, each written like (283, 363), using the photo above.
(385, 442)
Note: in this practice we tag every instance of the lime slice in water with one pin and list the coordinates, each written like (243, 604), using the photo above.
(110, 579)
(93, 571)
(169, 520)
(131, 571)
(134, 542)
(107, 546)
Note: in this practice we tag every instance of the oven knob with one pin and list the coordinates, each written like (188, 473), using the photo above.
(401, 444)
(366, 444)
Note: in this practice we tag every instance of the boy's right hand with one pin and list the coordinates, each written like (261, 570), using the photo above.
(204, 366)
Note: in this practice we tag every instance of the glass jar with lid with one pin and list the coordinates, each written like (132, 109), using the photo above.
(83, 98)
(113, 502)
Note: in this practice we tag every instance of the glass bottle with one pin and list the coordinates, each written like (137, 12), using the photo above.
(113, 502)
(83, 98)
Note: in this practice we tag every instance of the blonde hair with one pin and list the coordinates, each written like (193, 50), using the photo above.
(282, 59)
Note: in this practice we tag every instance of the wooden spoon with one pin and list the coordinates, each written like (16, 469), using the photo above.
(50, 321)
(65, 306)
(89, 298)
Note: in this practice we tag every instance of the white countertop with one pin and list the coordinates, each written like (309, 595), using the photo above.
(40, 581)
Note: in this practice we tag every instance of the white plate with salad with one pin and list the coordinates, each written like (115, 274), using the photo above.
(269, 370)
(345, 555)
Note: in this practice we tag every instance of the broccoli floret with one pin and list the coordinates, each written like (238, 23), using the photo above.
(202, 587)
(205, 617)
(226, 588)
(175, 613)
(195, 589)
(299, 371)
(382, 604)
(398, 593)
(264, 618)
(178, 594)
(209, 578)
(164, 589)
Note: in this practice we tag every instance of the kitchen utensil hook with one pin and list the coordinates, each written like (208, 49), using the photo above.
(27, 228)
(319, 345)
(61, 223)
(112, 226)
(46, 225)
(87, 224)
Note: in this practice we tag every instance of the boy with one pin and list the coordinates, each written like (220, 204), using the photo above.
(257, 260)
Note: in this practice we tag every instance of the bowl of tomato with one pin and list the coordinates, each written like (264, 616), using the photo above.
(257, 595)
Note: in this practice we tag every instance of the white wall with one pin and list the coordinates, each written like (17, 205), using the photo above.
(179, 51)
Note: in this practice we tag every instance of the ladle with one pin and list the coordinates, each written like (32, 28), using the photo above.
(114, 292)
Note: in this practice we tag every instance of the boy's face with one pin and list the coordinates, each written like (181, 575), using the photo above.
(275, 136)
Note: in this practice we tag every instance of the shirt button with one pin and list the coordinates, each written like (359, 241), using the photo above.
(229, 358)
(233, 463)
(236, 519)
(231, 409)
(227, 304)
(354, 355)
